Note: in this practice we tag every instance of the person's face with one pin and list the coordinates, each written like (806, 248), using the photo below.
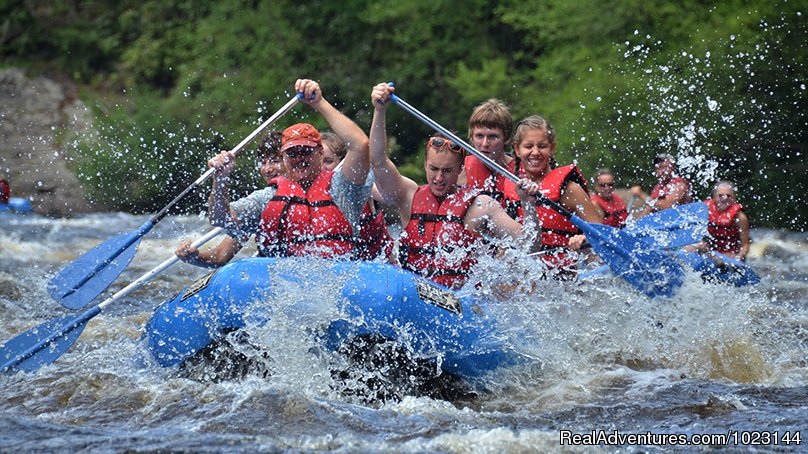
(664, 170)
(489, 141)
(535, 151)
(442, 170)
(330, 160)
(724, 197)
(271, 167)
(605, 186)
(303, 164)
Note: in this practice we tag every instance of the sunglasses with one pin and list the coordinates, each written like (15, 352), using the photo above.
(440, 142)
(296, 152)
(608, 185)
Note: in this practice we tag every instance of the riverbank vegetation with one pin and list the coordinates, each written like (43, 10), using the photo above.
(723, 87)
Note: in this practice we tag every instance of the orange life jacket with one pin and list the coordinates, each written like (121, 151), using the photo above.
(435, 243)
(615, 209)
(723, 232)
(497, 186)
(297, 222)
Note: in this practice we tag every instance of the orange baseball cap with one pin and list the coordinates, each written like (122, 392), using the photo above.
(300, 135)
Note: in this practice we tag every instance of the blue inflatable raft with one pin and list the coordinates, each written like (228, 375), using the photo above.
(16, 205)
(369, 298)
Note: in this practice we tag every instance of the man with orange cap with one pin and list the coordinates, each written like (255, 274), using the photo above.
(309, 210)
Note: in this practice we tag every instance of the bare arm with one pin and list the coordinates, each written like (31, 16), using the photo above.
(211, 258)
(743, 226)
(577, 200)
(677, 193)
(486, 215)
(355, 165)
(394, 188)
(219, 212)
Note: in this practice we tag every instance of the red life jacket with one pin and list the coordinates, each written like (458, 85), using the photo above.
(556, 229)
(662, 190)
(374, 239)
(297, 222)
(723, 232)
(497, 186)
(615, 209)
(5, 191)
(430, 243)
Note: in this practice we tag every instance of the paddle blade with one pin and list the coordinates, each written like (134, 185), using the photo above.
(653, 273)
(719, 268)
(89, 275)
(43, 344)
(673, 227)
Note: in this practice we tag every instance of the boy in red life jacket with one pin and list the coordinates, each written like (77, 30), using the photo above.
(310, 211)
(5, 191)
(728, 224)
(490, 127)
(610, 205)
(270, 164)
(442, 220)
(534, 143)
(671, 190)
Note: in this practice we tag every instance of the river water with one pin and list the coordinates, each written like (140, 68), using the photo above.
(710, 360)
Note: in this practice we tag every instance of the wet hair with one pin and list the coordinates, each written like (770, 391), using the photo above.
(603, 171)
(493, 114)
(270, 146)
(530, 123)
(728, 183)
(335, 142)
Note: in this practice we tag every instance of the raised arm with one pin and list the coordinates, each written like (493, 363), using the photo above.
(356, 164)
(219, 212)
(394, 188)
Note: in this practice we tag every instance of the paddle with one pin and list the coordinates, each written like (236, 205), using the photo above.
(86, 277)
(631, 258)
(673, 227)
(48, 341)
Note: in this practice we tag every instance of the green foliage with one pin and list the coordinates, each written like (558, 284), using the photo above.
(722, 85)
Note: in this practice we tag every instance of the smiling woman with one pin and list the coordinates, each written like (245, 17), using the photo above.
(534, 143)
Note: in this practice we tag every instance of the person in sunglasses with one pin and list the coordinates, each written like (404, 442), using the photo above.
(728, 224)
(443, 222)
(671, 189)
(309, 210)
(610, 205)
(490, 127)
